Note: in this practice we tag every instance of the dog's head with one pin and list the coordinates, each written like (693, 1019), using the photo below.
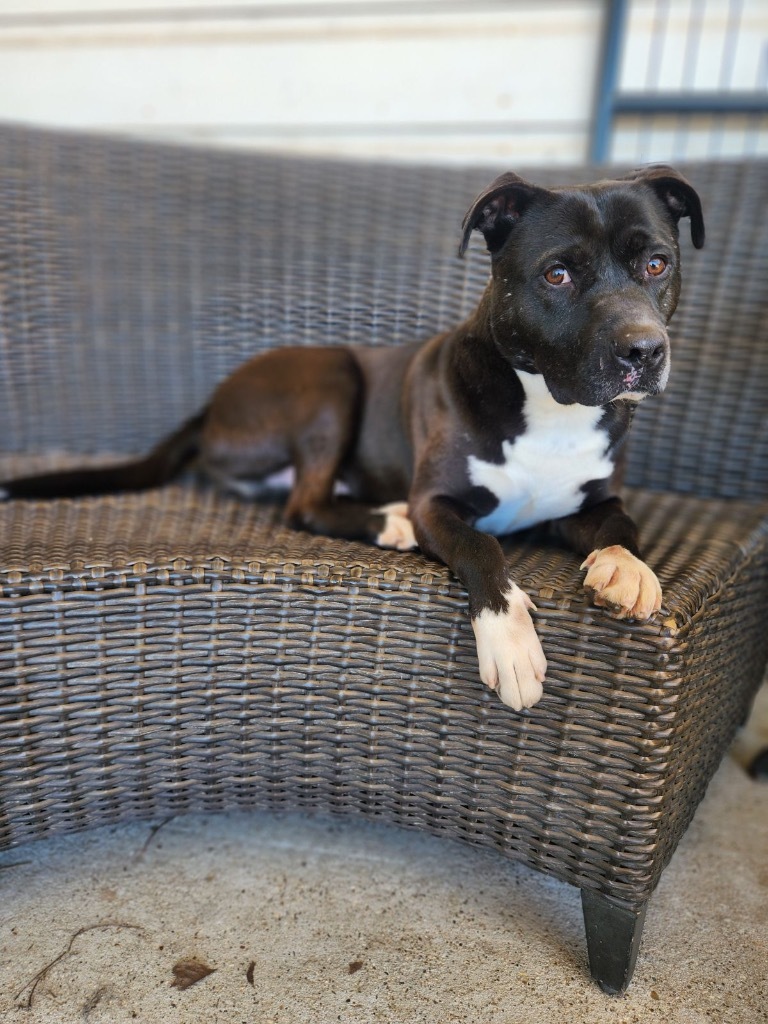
(585, 279)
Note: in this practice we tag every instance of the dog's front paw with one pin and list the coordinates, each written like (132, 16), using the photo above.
(398, 529)
(509, 652)
(622, 583)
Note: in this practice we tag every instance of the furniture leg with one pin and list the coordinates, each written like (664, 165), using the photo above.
(613, 939)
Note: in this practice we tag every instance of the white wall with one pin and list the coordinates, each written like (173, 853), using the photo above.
(475, 80)
(500, 81)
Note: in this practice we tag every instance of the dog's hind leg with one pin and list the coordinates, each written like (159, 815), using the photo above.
(299, 408)
(314, 506)
(398, 530)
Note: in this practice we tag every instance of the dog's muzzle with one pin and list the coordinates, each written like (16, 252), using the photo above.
(641, 359)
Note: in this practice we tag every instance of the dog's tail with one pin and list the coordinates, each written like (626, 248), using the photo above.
(164, 462)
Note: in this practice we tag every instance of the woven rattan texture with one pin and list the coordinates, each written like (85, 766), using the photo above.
(182, 650)
(136, 276)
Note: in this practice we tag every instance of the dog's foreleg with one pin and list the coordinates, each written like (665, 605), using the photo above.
(617, 578)
(509, 652)
(622, 583)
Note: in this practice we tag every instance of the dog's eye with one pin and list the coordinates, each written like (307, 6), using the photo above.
(656, 266)
(557, 275)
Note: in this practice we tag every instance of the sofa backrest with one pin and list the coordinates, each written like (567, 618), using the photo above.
(134, 276)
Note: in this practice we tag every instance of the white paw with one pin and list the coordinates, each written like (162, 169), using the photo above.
(509, 652)
(398, 530)
(622, 583)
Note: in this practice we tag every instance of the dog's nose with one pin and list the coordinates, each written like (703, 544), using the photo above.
(641, 350)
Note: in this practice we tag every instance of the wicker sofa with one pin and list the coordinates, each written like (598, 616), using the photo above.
(180, 650)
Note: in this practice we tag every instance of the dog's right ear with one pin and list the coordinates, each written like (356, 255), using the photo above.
(496, 210)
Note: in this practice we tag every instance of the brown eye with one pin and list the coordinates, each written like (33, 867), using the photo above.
(557, 275)
(656, 266)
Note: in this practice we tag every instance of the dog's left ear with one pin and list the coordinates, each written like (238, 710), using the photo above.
(497, 209)
(677, 194)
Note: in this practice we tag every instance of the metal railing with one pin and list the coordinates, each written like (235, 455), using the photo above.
(684, 96)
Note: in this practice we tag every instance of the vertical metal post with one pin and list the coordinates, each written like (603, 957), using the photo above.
(608, 78)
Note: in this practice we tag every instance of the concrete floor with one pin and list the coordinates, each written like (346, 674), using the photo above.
(318, 920)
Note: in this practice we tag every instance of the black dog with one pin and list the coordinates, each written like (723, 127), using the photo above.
(515, 417)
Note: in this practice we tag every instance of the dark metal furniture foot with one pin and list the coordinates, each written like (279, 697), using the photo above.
(613, 939)
(758, 767)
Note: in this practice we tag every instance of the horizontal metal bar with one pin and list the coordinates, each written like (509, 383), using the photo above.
(693, 102)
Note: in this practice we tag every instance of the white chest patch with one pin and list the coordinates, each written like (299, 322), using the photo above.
(545, 468)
